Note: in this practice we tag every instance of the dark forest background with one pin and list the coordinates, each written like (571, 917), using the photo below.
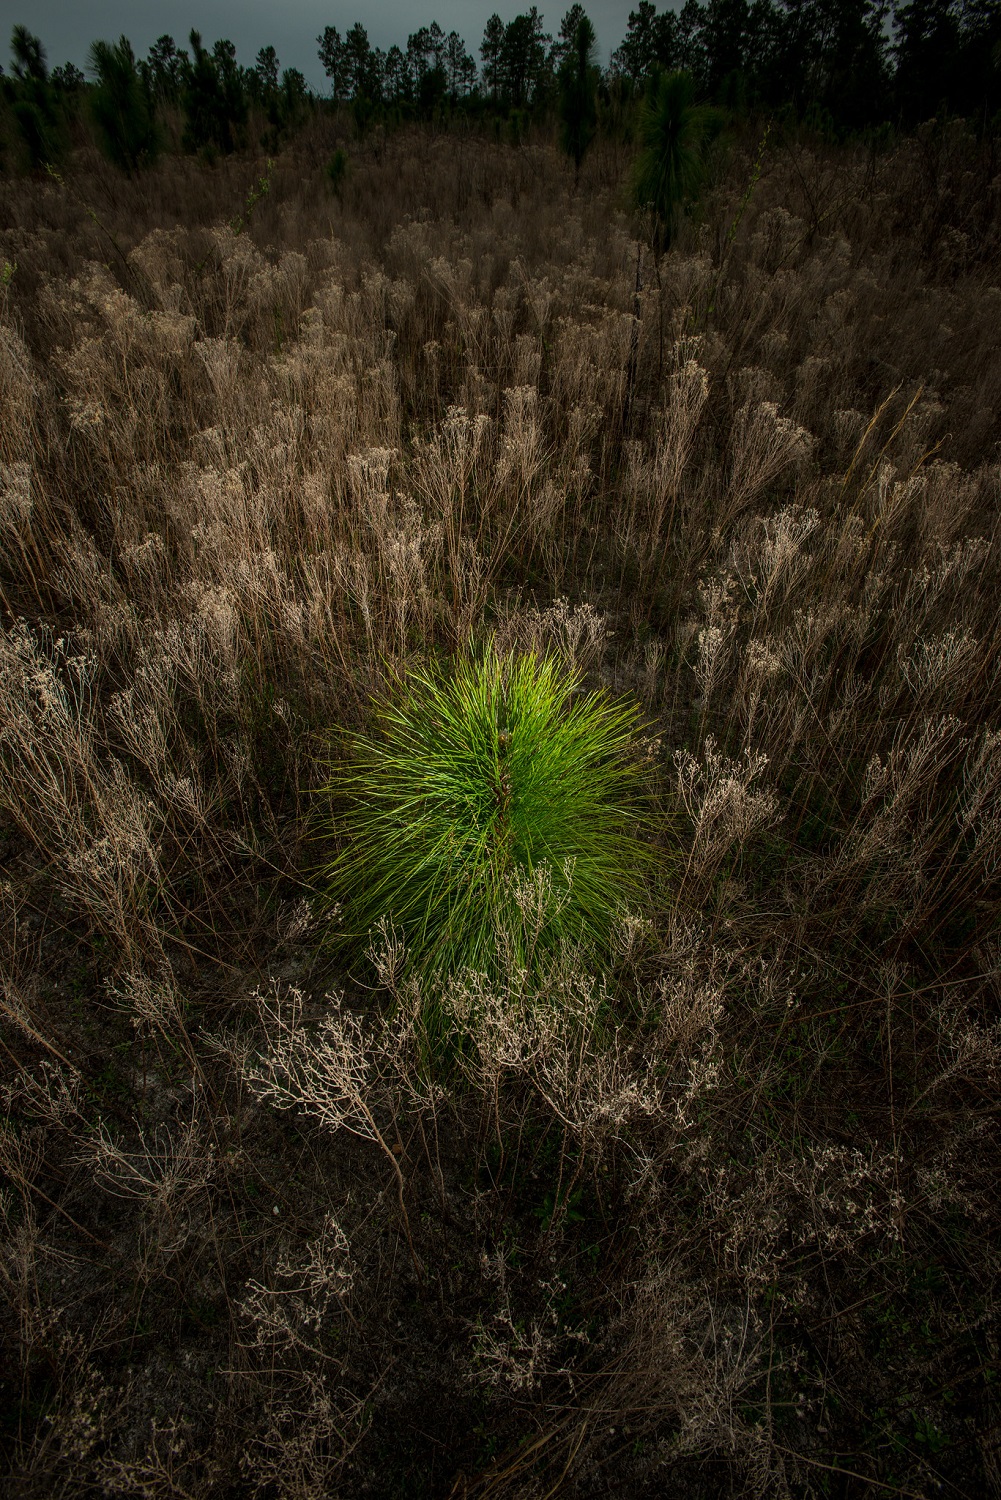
(841, 66)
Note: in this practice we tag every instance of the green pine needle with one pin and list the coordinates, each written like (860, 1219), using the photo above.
(495, 801)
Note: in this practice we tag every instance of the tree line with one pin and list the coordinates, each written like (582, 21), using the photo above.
(842, 64)
(857, 62)
(217, 100)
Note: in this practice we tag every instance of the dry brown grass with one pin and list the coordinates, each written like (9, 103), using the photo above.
(723, 1220)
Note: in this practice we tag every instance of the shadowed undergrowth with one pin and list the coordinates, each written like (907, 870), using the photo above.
(662, 1152)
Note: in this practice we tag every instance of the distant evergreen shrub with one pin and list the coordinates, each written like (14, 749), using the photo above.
(673, 133)
(337, 168)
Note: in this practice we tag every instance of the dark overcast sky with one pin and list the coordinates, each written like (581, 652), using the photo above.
(291, 26)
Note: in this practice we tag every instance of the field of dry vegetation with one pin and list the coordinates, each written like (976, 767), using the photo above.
(722, 1220)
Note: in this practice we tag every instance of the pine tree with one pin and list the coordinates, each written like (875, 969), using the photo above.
(671, 167)
(295, 97)
(34, 103)
(398, 86)
(578, 79)
(162, 70)
(121, 109)
(460, 68)
(67, 78)
(491, 53)
(650, 40)
(426, 57)
(215, 100)
(334, 59)
(524, 60)
(28, 63)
